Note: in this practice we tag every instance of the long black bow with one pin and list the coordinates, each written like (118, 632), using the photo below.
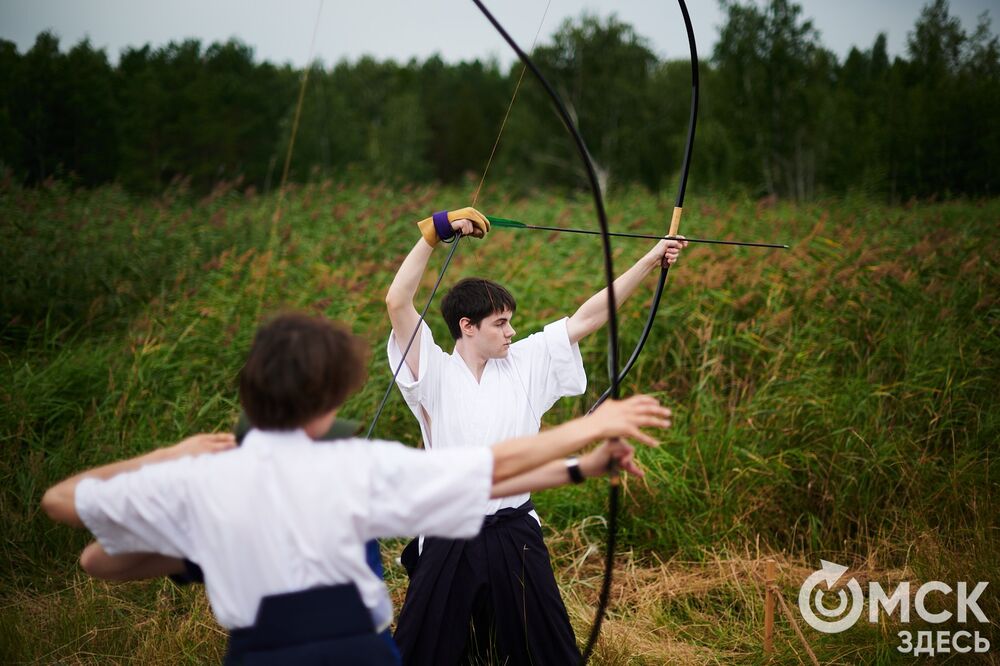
(609, 275)
(678, 208)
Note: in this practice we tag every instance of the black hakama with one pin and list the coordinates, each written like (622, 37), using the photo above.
(194, 574)
(324, 626)
(501, 584)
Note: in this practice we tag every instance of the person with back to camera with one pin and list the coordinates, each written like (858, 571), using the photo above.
(279, 525)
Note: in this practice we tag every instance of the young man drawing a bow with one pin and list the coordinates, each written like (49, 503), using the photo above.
(491, 387)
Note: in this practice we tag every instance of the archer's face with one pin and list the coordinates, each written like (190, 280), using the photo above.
(494, 334)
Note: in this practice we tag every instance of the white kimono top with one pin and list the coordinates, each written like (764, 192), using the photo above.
(282, 513)
(508, 401)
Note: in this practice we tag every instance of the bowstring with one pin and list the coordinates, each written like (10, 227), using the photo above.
(272, 245)
(451, 253)
(503, 123)
(489, 161)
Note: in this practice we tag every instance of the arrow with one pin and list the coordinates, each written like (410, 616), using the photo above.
(514, 224)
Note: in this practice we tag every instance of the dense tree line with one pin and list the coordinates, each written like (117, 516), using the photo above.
(780, 113)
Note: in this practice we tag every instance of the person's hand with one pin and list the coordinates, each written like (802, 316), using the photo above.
(667, 251)
(624, 418)
(469, 221)
(444, 224)
(598, 461)
(196, 445)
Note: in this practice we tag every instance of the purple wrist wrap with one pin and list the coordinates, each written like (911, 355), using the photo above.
(442, 226)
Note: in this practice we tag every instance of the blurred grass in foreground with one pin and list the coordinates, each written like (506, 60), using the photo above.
(838, 400)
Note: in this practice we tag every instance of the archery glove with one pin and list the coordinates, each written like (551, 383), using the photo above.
(438, 227)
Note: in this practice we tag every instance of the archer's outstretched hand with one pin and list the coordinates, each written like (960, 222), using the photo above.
(625, 418)
(666, 252)
(201, 443)
(59, 501)
(598, 461)
(593, 314)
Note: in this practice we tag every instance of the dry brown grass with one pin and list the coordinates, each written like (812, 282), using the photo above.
(661, 612)
(138, 623)
(723, 593)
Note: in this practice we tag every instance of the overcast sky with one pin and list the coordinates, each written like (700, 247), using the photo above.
(402, 29)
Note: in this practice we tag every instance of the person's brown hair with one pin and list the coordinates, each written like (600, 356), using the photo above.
(300, 367)
(475, 298)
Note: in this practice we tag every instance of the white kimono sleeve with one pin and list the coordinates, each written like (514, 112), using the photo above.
(144, 511)
(433, 493)
(425, 389)
(551, 366)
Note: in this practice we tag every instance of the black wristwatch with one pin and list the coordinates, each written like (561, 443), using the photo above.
(573, 467)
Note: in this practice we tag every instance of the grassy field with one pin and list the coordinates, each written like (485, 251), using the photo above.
(838, 400)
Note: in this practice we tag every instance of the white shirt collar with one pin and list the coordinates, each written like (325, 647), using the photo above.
(265, 439)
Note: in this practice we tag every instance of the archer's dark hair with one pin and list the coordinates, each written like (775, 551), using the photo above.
(300, 367)
(476, 299)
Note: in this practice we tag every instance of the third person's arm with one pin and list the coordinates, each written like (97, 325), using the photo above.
(593, 314)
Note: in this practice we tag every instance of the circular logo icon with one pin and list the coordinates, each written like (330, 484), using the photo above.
(812, 602)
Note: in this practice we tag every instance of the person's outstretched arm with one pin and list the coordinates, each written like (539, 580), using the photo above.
(593, 314)
(443, 493)
(399, 298)
(128, 566)
(59, 501)
(556, 473)
(613, 419)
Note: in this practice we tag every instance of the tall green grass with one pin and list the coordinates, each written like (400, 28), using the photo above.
(839, 399)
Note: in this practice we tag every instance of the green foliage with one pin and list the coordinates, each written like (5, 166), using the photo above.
(773, 69)
(780, 115)
(207, 116)
(92, 257)
(835, 400)
(603, 71)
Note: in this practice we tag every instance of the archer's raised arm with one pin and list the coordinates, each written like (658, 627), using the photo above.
(59, 501)
(128, 566)
(593, 314)
(399, 298)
